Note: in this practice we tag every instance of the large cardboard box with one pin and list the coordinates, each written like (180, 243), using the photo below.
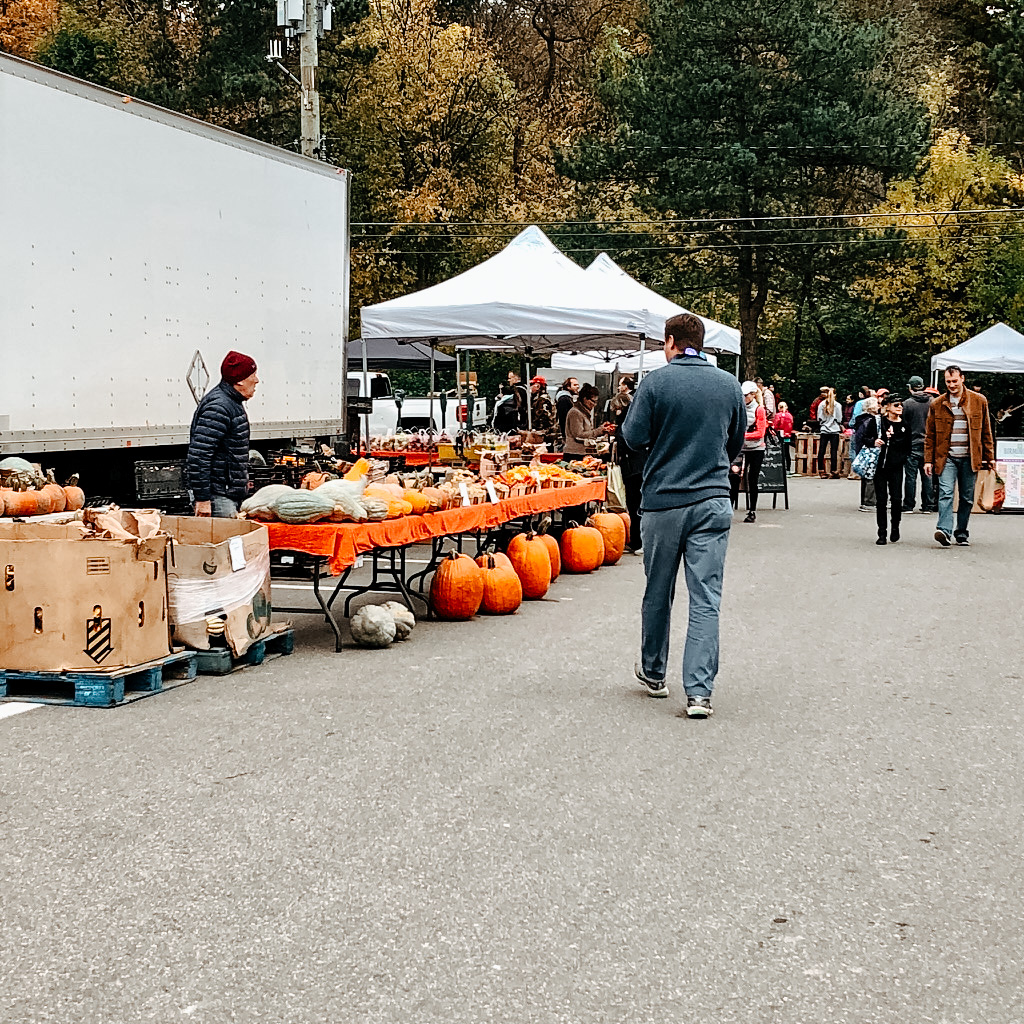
(218, 581)
(74, 603)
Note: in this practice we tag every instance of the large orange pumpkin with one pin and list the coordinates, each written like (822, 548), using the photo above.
(613, 532)
(57, 498)
(25, 503)
(624, 516)
(529, 557)
(457, 588)
(582, 549)
(554, 557)
(503, 593)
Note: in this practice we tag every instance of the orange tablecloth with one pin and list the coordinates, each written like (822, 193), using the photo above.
(342, 543)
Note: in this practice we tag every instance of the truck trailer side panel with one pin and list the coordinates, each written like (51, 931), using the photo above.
(134, 238)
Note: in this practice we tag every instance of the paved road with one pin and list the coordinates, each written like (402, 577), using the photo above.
(491, 823)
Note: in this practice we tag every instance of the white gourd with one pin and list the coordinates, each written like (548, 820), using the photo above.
(261, 504)
(405, 621)
(372, 626)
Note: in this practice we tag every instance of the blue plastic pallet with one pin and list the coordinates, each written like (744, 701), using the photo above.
(99, 689)
(219, 661)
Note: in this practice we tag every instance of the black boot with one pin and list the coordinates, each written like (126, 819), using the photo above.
(881, 539)
(894, 533)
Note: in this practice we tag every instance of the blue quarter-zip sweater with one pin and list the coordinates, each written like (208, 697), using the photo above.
(691, 418)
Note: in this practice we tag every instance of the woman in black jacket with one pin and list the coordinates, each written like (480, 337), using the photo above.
(894, 440)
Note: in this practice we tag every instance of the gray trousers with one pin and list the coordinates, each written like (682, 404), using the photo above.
(697, 536)
(223, 508)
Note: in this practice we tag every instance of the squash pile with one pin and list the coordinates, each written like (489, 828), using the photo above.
(25, 491)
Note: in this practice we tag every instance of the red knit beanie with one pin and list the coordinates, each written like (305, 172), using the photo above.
(237, 367)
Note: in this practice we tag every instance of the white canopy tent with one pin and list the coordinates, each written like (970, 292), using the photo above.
(999, 349)
(625, 362)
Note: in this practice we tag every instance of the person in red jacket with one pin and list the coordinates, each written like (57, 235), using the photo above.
(814, 407)
(749, 462)
(782, 423)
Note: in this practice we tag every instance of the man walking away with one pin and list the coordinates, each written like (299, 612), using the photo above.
(217, 464)
(915, 415)
(690, 417)
(565, 397)
(957, 443)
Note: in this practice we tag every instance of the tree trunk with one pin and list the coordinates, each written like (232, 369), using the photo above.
(798, 332)
(753, 292)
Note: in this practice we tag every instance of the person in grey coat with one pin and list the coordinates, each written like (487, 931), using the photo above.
(915, 415)
(690, 418)
(217, 464)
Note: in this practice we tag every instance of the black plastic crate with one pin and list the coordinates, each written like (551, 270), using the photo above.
(162, 481)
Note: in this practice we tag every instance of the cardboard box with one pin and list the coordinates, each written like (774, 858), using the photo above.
(218, 581)
(69, 603)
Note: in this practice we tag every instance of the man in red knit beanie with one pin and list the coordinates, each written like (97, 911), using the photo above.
(217, 465)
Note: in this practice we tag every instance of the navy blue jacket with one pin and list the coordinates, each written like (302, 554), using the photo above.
(691, 418)
(218, 447)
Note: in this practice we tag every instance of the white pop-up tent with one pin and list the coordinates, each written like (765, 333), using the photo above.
(624, 362)
(530, 296)
(999, 349)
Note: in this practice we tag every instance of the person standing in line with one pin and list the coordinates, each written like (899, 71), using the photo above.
(863, 394)
(915, 414)
(865, 432)
(830, 418)
(579, 423)
(767, 397)
(564, 399)
(957, 444)
(691, 420)
(749, 463)
(631, 463)
(894, 440)
(217, 463)
(782, 424)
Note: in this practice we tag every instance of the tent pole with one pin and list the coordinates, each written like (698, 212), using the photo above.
(529, 393)
(366, 394)
(643, 346)
(433, 341)
(470, 397)
(458, 388)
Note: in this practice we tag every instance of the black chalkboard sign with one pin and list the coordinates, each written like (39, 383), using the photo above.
(773, 478)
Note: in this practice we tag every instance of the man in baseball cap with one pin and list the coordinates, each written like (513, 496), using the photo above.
(217, 465)
(542, 409)
(915, 415)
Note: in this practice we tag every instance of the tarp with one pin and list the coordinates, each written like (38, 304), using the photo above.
(387, 354)
(528, 296)
(999, 349)
(718, 337)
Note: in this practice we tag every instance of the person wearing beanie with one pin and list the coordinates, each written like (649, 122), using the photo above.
(542, 409)
(217, 464)
(915, 415)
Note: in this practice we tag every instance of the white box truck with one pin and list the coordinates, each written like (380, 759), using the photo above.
(138, 247)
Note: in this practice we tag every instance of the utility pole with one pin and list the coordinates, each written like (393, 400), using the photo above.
(308, 61)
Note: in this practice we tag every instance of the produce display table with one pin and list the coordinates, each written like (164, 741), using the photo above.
(421, 458)
(336, 546)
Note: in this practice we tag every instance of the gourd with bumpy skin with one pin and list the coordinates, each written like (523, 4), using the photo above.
(613, 533)
(582, 549)
(531, 563)
(302, 507)
(405, 621)
(376, 508)
(373, 626)
(457, 588)
(25, 503)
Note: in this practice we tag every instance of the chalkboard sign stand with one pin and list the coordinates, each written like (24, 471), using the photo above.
(774, 479)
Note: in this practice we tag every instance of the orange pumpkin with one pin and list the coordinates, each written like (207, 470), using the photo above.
(582, 549)
(435, 497)
(553, 554)
(613, 532)
(529, 557)
(75, 498)
(25, 503)
(503, 593)
(359, 469)
(419, 502)
(457, 588)
(624, 516)
(498, 556)
(57, 498)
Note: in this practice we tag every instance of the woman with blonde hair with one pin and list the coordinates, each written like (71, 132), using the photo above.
(830, 417)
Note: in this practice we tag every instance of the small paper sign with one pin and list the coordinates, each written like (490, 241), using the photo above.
(464, 492)
(237, 554)
(491, 493)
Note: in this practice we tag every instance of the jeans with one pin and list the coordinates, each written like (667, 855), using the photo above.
(223, 508)
(698, 536)
(915, 469)
(956, 472)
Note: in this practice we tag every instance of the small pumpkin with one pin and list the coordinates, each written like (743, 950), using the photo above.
(613, 532)
(553, 554)
(582, 549)
(25, 503)
(503, 593)
(498, 556)
(435, 497)
(529, 557)
(74, 498)
(457, 588)
(418, 501)
(359, 469)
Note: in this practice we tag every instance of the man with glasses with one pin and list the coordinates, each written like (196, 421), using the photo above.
(957, 443)
(690, 418)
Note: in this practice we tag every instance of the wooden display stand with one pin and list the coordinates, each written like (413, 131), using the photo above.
(805, 455)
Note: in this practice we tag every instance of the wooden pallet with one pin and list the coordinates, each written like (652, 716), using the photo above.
(219, 661)
(99, 689)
